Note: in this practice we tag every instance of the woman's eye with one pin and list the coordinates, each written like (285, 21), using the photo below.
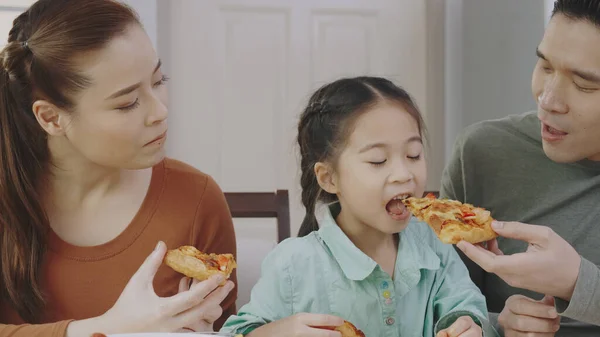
(162, 80)
(130, 106)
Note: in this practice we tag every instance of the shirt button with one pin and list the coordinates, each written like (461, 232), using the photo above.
(386, 294)
(389, 321)
(384, 285)
(388, 301)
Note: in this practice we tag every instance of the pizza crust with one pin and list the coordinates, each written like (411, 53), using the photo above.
(190, 262)
(451, 220)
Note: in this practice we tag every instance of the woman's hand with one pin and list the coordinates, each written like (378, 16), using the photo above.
(139, 309)
(211, 311)
(301, 325)
(463, 327)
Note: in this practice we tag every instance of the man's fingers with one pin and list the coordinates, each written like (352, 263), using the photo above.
(521, 305)
(492, 246)
(519, 231)
(481, 256)
(320, 320)
(502, 265)
(548, 300)
(531, 324)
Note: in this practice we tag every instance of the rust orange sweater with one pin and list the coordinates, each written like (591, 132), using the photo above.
(182, 207)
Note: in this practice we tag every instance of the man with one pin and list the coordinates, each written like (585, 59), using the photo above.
(542, 168)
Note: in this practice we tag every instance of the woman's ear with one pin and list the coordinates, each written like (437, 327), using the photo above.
(325, 177)
(52, 119)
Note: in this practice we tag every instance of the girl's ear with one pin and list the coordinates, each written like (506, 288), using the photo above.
(325, 177)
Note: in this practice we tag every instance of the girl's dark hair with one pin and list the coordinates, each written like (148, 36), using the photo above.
(588, 10)
(40, 61)
(326, 123)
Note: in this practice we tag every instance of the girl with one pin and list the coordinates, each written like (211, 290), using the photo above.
(85, 189)
(360, 255)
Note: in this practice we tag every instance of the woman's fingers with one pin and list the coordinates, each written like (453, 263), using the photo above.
(184, 284)
(209, 310)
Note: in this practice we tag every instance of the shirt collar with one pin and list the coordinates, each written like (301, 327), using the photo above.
(356, 265)
(414, 252)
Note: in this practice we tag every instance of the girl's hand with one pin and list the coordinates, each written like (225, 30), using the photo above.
(301, 325)
(139, 309)
(463, 327)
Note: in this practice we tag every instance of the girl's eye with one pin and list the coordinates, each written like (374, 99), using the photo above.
(417, 157)
(377, 163)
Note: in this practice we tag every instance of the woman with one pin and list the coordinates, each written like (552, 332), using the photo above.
(85, 190)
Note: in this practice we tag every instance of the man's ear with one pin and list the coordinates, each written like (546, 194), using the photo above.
(52, 119)
(325, 177)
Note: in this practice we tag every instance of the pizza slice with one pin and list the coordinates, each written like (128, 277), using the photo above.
(347, 330)
(451, 220)
(193, 263)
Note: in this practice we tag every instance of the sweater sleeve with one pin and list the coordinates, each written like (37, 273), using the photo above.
(214, 233)
(585, 302)
(57, 329)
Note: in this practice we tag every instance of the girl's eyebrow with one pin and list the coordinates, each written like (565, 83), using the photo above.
(371, 146)
(368, 147)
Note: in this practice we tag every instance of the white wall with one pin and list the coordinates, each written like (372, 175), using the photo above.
(453, 71)
(148, 12)
(236, 92)
(548, 6)
(490, 55)
(9, 10)
(481, 63)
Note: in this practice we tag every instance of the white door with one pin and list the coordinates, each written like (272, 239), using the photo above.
(242, 70)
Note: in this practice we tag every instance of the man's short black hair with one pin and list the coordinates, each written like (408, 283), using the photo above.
(588, 10)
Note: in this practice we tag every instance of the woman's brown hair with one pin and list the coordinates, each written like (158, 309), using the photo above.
(41, 61)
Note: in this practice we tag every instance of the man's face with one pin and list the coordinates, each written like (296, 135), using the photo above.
(566, 85)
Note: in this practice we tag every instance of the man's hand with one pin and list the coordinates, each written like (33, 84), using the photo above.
(524, 317)
(550, 265)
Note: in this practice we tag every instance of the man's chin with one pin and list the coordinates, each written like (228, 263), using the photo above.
(562, 155)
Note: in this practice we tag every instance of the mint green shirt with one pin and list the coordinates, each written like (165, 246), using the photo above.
(324, 272)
